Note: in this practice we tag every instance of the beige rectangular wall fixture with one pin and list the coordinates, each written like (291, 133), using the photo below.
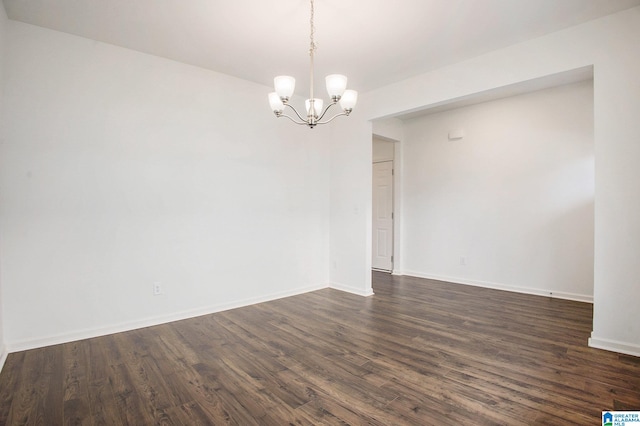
(456, 134)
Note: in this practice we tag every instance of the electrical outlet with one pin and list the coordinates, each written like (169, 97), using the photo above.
(157, 289)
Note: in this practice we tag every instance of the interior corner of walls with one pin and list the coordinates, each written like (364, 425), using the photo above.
(353, 290)
(3, 356)
(610, 345)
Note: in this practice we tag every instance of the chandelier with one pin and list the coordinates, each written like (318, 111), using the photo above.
(336, 87)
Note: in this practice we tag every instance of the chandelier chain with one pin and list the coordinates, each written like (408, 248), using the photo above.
(312, 32)
(312, 48)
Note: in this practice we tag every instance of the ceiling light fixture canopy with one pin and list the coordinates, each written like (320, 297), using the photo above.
(336, 87)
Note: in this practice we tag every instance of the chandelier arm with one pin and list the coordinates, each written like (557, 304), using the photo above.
(331, 119)
(325, 111)
(294, 110)
(293, 119)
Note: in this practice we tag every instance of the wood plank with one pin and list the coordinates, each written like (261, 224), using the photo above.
(75, 386)
(10, 380)
(103, 406)
(131, 404)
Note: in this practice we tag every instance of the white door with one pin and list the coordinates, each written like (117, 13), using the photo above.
(383, 216)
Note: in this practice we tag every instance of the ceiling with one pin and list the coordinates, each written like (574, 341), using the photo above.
(373, 42)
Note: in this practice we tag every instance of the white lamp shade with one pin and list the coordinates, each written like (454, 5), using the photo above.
(284, 86)
(317, 105)
(275, 102)
(336, 85)
(349, 99)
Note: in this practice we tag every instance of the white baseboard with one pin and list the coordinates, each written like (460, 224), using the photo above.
(614, 346)
(27, 344)
(497, 286)
(353, 290)
(3, 356)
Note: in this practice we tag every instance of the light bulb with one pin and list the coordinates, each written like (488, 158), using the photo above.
(317, 106)
(284, 86)
(336, 85)
(276, 103)
(348, 100)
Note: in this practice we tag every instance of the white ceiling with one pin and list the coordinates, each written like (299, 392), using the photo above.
(373, 42)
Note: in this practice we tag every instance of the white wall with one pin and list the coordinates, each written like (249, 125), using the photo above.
(3, 30)
(350, 245)
(121, 169)
(511, 204)
(608, 44)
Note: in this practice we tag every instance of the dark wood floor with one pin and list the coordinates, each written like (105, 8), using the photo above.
(419, 352)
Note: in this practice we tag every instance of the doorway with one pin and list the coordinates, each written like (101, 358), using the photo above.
(382, 231)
